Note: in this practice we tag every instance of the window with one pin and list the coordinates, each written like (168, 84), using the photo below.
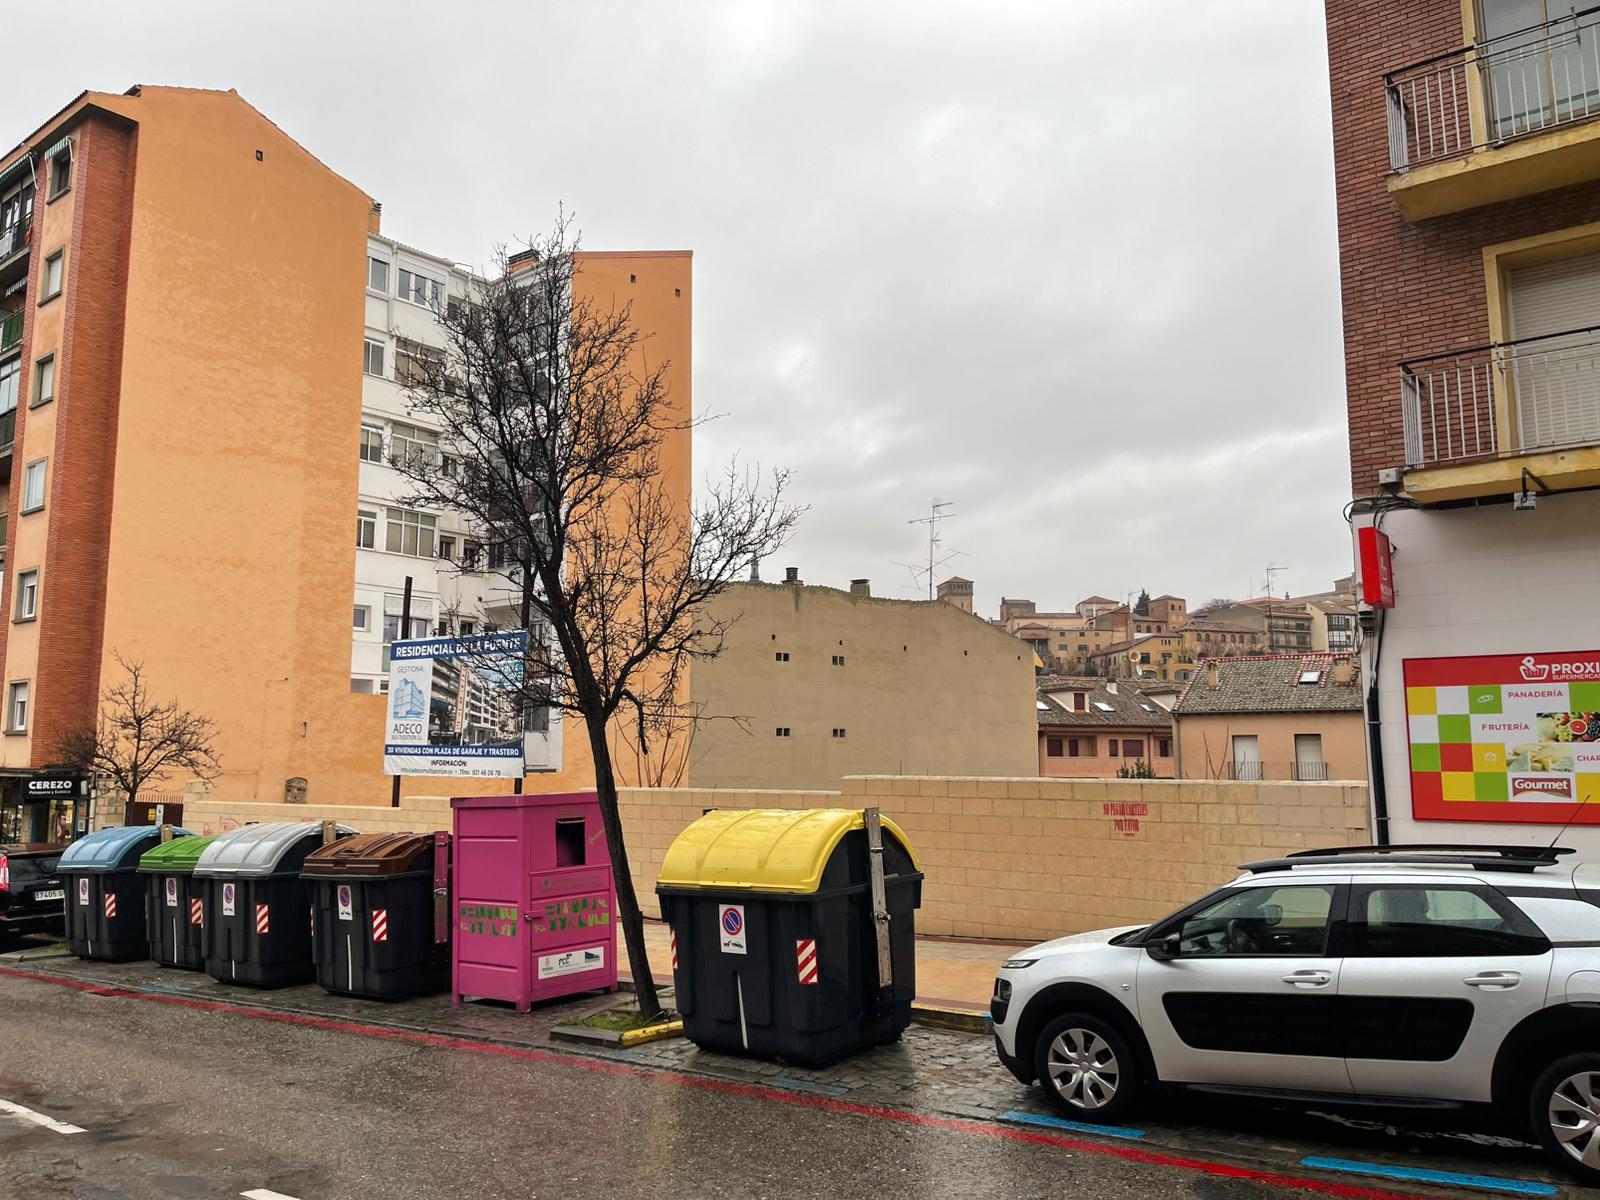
(1052, 747)
(372, 358)
(1443, 921)
(17, 708)
(838, 733)
(1111, 747)
(378, 275)
(1290, 920)
(371, 444)
(1103, 706)
(471, 555)
(33, 486)
(366, 528)
(781, 731)
(10, 380)
(50, 285)
(27, 595)
(411, 444)
(363, 617)
(447, 548)
(1308, 763)
(409, 532)
(61, 172)
(781, 656)
(44, 380)
(838, 660)
(468, 628)
(1132, 747)
(1080, 701)
(414, 364)
(1310, 677)
(1164, 747)
(419, 289)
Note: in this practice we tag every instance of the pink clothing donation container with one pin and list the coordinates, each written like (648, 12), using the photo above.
(535, 910)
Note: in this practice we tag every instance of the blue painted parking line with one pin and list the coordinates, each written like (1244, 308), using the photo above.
(1111, 1131)
(1492, 1183)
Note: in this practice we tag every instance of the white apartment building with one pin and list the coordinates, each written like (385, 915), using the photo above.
(393, 541)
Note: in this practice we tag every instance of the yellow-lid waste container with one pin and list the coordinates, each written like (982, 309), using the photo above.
(775, 918)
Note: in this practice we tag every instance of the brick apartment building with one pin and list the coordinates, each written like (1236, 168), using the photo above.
(184, 300)
(1467, 164)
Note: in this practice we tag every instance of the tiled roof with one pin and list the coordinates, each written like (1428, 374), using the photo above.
(1124, 708)
(1270, 683)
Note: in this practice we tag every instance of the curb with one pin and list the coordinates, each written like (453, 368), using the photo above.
(960, 1020)
(616, 1038)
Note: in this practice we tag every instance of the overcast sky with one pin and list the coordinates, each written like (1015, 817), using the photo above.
(1069, 265)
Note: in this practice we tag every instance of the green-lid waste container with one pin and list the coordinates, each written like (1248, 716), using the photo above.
(258, 918)
(774, 932)
(105, 896)
(375, 932)
(174, 909)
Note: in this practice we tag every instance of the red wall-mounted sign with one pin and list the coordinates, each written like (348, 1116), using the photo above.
(1377, 572)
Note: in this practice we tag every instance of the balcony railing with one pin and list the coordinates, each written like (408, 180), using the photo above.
(8, 430)
(14, 238)
(1549, 386)
(1251, 771)
(1524, 82)
(10, 331)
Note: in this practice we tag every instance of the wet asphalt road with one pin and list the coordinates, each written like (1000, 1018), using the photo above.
(177, 1103)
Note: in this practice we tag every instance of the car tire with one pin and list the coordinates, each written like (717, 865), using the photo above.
(1087, 1068)
(1564, 1108)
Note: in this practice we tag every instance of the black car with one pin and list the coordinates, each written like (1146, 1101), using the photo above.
(31, 895)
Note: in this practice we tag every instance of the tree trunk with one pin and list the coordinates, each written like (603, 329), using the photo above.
(628, 914)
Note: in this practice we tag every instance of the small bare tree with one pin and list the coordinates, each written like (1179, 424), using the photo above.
(554, 426)
(139, 740)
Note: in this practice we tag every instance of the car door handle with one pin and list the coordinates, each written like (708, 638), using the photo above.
(1309, 979)
(1494, 979)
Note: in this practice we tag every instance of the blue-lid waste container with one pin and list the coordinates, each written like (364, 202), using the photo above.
(775, 917)
(105, 896)
(378, 929)
(258, 917)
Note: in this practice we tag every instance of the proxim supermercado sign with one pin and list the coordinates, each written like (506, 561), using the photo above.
(455, 707)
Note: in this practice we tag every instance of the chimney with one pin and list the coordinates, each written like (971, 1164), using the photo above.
(375, 218)
(1213, 677)
(791, 576)
(1344, 673)
(861, 587)
(521, 261)
(755, 569)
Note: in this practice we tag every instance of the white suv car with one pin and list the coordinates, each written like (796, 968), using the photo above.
(1422, 976)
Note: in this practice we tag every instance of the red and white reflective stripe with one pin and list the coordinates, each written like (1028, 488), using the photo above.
(197, 912)
(111, 904)
(805, 959)
(263, 919)
(380, 924)
(672, 934)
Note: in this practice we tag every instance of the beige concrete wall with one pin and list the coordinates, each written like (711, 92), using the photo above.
(1017, 859)
(1205, 742)
(924, 689)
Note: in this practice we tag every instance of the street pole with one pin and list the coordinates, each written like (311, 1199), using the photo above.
(405, 632)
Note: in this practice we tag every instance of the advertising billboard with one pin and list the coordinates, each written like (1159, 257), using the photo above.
(1505, 738)
(455, 707)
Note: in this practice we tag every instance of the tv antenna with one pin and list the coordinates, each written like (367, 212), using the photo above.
(936, 514)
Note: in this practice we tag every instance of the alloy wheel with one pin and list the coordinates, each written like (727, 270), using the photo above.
(1083, 1068)
(1575, 1117)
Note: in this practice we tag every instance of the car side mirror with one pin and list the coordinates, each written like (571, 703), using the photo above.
(1165, 949)
(1271, 914)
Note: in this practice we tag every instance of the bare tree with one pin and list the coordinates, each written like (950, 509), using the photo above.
(555, 421)
(138, 740)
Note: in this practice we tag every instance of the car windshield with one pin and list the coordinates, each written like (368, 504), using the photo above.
(32, 868)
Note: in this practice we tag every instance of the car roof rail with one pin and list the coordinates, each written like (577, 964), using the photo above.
(1542, 854)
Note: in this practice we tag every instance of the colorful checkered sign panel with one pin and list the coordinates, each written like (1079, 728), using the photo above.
(1505, 738)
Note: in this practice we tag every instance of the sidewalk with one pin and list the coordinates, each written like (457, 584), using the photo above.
(951, 972)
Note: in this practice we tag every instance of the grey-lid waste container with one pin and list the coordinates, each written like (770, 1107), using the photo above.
(105, 896)
(375, 932)
(258, 918)
(772, 914)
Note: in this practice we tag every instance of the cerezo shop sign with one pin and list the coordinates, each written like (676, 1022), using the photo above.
(1505, 738)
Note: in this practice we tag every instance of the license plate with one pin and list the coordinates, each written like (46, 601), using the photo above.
(53, 894)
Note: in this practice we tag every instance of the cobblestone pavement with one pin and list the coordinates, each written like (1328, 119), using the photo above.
(929, 1070)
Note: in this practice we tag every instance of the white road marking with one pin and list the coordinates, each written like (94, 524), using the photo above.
(264, 1194)
(37, 1118)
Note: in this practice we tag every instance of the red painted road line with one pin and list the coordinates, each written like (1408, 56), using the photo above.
(1322, 1187)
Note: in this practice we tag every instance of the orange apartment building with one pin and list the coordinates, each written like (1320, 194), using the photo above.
(181, 328)
(1466, 139)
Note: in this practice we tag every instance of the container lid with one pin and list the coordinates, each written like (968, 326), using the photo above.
(262, 849)
(112, 849)
(372, 854)
(764, 849)
(176, 857)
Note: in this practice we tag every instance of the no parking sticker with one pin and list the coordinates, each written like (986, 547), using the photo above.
(172, 892)
(227, 899)
(344, 902)
(730, 922)
(83, 892)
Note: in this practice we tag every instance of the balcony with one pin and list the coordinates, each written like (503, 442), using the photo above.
(10, 332)
(1253, 771)
(14, 242)
(1508, 117)
(1478, 422)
